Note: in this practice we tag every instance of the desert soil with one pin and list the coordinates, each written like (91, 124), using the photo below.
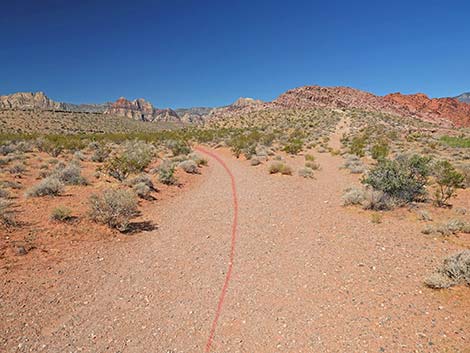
(309, 275)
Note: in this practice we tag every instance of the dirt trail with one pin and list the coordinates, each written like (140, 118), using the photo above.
(308, 276)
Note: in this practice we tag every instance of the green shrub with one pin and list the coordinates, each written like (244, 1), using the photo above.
(61, 213)
(166, 175)
(309, 157)
(115, 208)
(448, 180)
(51, 186)
(380, 150)
(358, 145)
(178, 147)
(294, 146)
(135, 158)
(403, 179)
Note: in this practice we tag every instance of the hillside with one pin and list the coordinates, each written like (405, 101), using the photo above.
(60, 122)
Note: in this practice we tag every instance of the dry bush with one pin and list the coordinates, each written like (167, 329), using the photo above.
(51, 186)
(70, 175)
(7, 218)
(115, 208)
(306, 172)
(61, 214)
(142, 190)
(353, 196)
(453, 226)
(454, 270)
(189, 166)
(279, 167)
(255, 161)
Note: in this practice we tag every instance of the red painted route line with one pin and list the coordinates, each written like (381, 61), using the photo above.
(232, 247)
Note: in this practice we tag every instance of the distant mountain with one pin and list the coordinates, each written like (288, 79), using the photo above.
(140, 109)
(195, 115)
(464, 97)
(442, 111)
(39, 101)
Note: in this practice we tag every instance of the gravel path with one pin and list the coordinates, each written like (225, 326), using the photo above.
(308, 276)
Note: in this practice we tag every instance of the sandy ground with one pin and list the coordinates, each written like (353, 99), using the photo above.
(309, 276)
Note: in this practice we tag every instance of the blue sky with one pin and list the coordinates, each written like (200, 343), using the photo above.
(180, 53)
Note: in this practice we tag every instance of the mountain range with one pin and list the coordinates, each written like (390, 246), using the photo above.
(443, 111)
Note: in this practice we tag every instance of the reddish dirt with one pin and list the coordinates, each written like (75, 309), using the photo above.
(308, 276)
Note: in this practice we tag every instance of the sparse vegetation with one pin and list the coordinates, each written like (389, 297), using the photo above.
(115, 208)
(51, 186)
(189, 166)
(166, 175)
(448, 180)
(454, 270)
(403, 179)
(279, 167)
(61, 214)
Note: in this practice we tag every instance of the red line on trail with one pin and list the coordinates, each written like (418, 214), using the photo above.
(232, 247)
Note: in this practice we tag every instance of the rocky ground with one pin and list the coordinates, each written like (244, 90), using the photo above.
(309, 275)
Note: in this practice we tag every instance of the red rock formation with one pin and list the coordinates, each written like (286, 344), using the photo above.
(140, 109)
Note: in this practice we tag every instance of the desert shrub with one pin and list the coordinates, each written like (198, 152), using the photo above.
(403, 179)
(178, 147)
(166, 175)
(142, 190)
(200, 161)
(115, 208)
(17, 169)
(309, 157)
(245, 143)
(380, 150)
(7, 218)
(293, 146)
(354, 164)
(424, 215)
(70, 175)
(189, 166)
(376, 218)
(312, 165)
(306, 172)
(4, 194)
(51, 186)
(78, 155)
(353, 196)
(61, 213)
(358, 145)
(135, 158)
(141, 179)
(255, 161)
(454, 270)
(448, 180)
(377, 200)
(11, 184)
(279, 167)
(453, 226)
(100, 153)
(465, 171)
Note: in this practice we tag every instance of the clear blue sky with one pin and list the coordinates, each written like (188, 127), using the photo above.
(206, 53)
